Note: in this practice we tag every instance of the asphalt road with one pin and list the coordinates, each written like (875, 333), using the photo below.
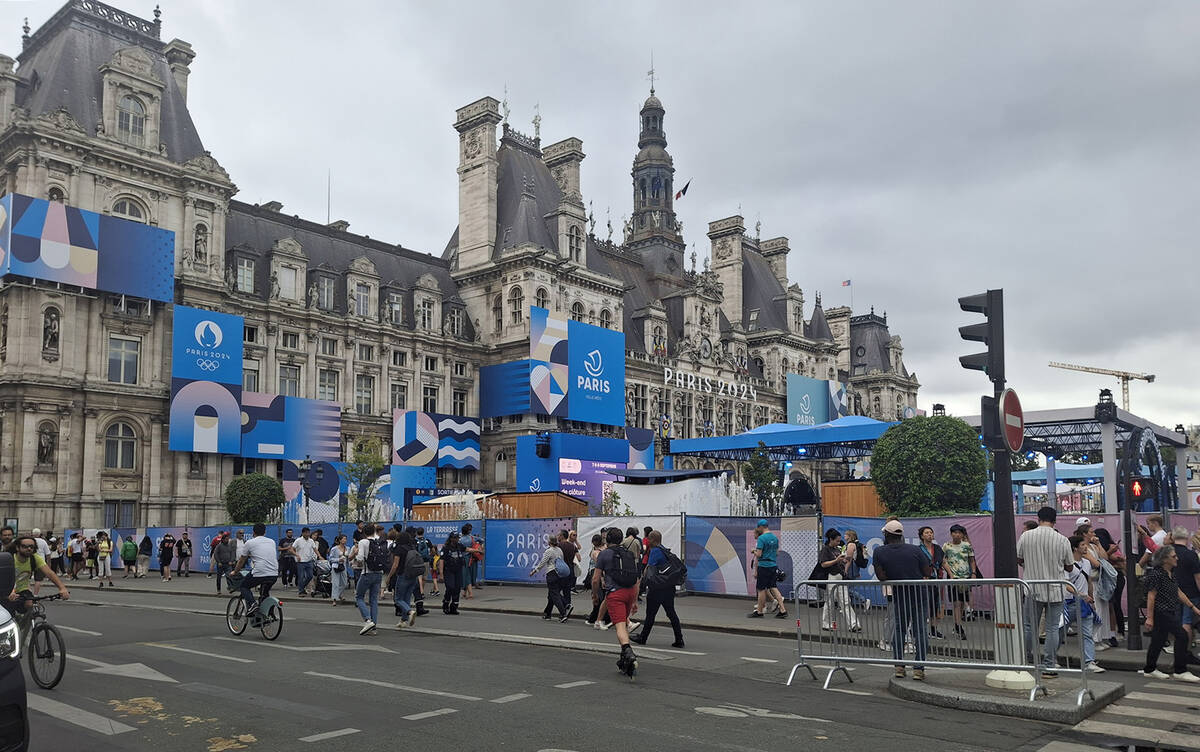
(149, 671)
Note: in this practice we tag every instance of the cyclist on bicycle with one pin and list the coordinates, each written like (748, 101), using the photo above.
(27, 562)
(262, 554)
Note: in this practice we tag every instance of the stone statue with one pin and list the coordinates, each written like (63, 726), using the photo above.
(50, 330)
(274, 284)
(628, 227)
(230, 278)
(349, 301)
(591, 220)
(679, 227)
(312, 295)
(46, 445)
(609, 223)
(656, 218)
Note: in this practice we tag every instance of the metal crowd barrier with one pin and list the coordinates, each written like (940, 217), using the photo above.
(841, 627)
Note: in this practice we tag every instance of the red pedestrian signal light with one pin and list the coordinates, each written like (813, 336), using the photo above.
(1139, 489)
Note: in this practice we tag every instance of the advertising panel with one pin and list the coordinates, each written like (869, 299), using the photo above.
(576, 370)
(641, 447)
(670, 526)
(421, 439)
(586, 480)
(51, 241)
(206, 346)
(331, 497)
(279, 427)
(205, 417)
(548, 364)
(515, 546)
(719, 551)
(814, 401)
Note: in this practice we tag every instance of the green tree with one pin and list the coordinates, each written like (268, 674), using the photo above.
(1021, 461)
(253, 498)
(927, 466)
(761, 474)
(361, 472)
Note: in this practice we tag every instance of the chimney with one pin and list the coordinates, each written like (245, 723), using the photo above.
(180, 56)
(568, 220)
(478, 170)
(726, 251)
(775, 251)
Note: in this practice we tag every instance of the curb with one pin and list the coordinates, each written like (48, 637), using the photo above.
(1038, 710)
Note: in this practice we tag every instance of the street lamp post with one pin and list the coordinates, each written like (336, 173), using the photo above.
(306, 478)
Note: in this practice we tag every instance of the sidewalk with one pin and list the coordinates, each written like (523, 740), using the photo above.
(725, 614)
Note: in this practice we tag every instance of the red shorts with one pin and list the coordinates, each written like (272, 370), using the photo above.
(620, 604)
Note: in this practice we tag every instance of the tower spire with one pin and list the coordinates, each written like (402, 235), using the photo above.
(650, 73)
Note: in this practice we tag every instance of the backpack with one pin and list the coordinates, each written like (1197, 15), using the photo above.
(624, 569)
(561, 568)
(668, 574)
(1107, 584)
(860, 555)
(379, 558)
(425, 549)
(414, 565)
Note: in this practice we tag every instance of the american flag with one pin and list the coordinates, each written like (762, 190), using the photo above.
(845, 283)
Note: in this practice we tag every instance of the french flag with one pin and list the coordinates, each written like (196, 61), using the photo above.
(683, 191)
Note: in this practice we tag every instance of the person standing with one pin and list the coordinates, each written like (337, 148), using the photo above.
(617, 565)
(837, 601)
(43, 550)
(856, 562)
(407, 569)
(556, 568)
(1117, 559)
(129, 552)
(104, 554)
(240, 540)
(766, 579)
(212, 551)
(474, 548)
(1187, 576)
(898, 561)
(959, 564)
(145, 551)
(1045, 554)
(426, 549)
(75, 551)
(305, 549)
(450, 565)
(658, 597)
(1080, 608)
(339, 577)
(1164, 599)
(935, 556)
(373, 558)
(183, 552)
(166, 552)
(287, 559)
(224, 556)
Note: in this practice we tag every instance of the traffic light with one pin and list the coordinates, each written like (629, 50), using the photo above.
(989, 424)
(1139, 488)
(991, 333)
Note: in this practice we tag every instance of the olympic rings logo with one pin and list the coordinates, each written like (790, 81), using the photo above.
(207, 365)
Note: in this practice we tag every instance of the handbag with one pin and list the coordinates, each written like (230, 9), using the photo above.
(340, 566)
(819, 573)
(780, 575)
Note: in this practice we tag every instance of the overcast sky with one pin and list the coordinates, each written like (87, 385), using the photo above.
(924, 150)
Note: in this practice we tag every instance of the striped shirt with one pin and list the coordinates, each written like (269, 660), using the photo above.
(1046, 554)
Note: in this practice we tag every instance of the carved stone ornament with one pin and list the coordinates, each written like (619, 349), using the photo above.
(472, 144)
(134, 60)
(560, 177)
(206, 163)
(724, 248)
(61, 119)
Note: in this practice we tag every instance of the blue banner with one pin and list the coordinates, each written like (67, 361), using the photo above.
(596, 365)
(514, 547)
(206, 346)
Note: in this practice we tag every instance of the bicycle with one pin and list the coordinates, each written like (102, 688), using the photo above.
(43, 642)
(268, 619)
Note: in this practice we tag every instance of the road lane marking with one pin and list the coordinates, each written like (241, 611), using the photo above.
(129, 670)
(313, 649)
(260, 700)
(204, 653)
(663, 654)
(80, 631)
(510, 698)
(759, 660)
(850, 691)
(77, 716)
(390, 685)
(430, 714)
(329, 735)
(572, 685)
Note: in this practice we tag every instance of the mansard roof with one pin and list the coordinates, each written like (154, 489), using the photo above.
(870, 334)
(525, 193)
(818, 326)
(761, 290)
(60, 69)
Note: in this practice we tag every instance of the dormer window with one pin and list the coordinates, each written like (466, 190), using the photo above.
(362, 299)
(753, 324)
(325, 293)
(131, 121)
(245, 275)
(456, 321)
(427, 314)
(395, 309)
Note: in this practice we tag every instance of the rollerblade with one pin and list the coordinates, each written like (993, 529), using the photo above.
(627, 663)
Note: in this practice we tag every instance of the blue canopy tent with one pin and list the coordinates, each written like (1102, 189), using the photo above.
(851, 436)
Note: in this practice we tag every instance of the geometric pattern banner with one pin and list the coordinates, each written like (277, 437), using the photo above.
(205, 417)
(421, 439)
(576, 370)
(51, 241)
(278, 427)
(548, 370)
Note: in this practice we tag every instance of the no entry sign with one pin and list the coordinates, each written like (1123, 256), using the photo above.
(1012, 420)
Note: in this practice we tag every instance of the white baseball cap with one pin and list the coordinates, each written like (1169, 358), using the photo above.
(1082, 521)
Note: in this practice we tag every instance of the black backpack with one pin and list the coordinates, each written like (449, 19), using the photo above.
(425, 549)
(414, 565)
(624, 570)
(667, 575)
(379, 558)
(860, 555)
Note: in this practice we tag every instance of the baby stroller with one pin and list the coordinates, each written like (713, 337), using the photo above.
(322, 584)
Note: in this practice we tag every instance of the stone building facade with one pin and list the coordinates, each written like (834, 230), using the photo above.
(85, 375)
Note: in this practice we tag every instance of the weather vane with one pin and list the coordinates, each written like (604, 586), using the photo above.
(650, 73)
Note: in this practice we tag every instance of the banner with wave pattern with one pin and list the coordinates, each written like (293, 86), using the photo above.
(421, 439)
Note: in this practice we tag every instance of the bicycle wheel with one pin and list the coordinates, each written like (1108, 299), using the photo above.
(272, 625)
(47, 655)
(235, 615)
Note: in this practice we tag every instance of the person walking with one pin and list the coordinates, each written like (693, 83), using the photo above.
(183, 552)
(212, 551)
(1080, 608)
(474, 548)
(318, 537)
(766, 579)
(339, 577)
(837, 601)
(450, 566)
(224, 556)
(104, 554)
(935, 556)
(407, 568)
(287, 559)
(56, 555)
(145, 551)
(658, 596)
(129, 552)
(556, 568)
(75, 550)
(166, 552)
(305, 550)
(1045, 554)
(896, 560)
(566, 585)
(374, 560)
(617, 565)
(958, 562)
(596, 617)
(1164, 599)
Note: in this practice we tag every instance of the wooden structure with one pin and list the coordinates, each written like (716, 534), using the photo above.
(851, 498)
(512, 506)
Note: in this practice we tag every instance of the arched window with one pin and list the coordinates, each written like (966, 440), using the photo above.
(501, 471)
(498, 313)
(577, 311)
(131, 121)
(542, 297)
(783, 367)
(605, 318)
(200, 244)
(655, 187)
(55, 194)
(592, 316)
(120, 443)
(576, 242)
(516, 305)
(758, 363)
(127, 208)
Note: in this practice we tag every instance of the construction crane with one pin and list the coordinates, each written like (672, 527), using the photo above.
(1124, 376)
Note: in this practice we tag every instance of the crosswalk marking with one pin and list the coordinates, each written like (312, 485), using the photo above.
(510, 698)
(1145, 717)
(429, 714)
(329, 735)
(1154, 713)
(1165, 699)
(572, 685)
(1143, 733)
(77, 716)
